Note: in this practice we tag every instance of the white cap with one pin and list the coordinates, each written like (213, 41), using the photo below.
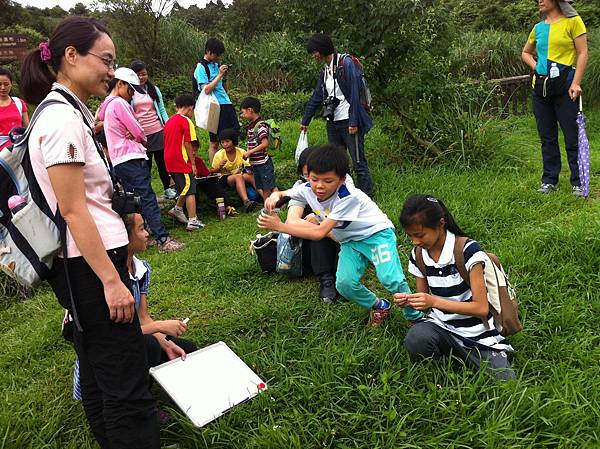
(130, 77)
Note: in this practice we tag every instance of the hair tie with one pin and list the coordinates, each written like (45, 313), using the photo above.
(432, 199)
(45, 53)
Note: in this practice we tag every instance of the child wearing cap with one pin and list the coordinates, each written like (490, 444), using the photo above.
(180, 160)
(125, 140)
(229, 162)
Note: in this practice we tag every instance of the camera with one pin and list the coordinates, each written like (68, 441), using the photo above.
(329, 105)
(124, 203)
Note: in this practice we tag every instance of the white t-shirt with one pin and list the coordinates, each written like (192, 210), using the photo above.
(61, 137)
(342, 112)
(357, 215)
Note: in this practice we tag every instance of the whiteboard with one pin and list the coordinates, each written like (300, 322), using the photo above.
(208, 383)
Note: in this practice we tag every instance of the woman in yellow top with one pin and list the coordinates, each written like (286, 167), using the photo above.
(229, 162)
(560, 41)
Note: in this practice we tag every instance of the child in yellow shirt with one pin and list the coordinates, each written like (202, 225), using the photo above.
(229, 162)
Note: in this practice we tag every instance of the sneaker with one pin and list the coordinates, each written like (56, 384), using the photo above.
(194, 224)
(379, 315)
(249, 206)
(170, 193)
(328, 292)
(577, 191)
(546, 188)
(170, 245)
(231, 212)
(178, 215)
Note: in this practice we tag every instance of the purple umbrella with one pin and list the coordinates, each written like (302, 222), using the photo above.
(583, 156)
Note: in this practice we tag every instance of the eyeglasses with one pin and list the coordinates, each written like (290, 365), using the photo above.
(108, 62)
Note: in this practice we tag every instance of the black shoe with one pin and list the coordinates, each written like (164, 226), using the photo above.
(328, 293)
(249, 206)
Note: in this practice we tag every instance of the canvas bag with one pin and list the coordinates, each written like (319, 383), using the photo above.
(207, 111)
(500, 294)
(264, 247)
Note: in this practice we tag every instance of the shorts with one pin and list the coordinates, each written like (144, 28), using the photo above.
(264, 175)
(185, 183)
(155, 142)
(227, 119)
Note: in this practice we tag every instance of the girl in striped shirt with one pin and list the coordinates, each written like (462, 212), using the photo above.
(459, 322)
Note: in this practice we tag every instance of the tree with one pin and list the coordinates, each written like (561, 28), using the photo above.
(79, 10)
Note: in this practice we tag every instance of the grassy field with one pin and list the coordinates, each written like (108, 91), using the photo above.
(333, 382)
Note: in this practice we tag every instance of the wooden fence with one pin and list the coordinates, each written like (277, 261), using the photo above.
(515, 94)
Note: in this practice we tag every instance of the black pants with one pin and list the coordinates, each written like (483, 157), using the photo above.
(160, 165)
(323, 256)
(112, 360)
(213, 188)
(337, 134)
(426, 340)
(549, 113)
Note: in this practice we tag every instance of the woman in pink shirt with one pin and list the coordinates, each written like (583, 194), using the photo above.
(13, 110)
(149, 109)
(76, 63)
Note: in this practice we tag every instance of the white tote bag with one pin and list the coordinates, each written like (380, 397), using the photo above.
(301, 145)
(207, 112)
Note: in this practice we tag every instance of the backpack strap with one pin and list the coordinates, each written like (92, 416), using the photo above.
(420, 262)
(18, 104)
(459, 258)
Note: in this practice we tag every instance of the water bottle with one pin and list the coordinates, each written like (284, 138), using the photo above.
(221, 212)
(16, 203)
(554, 71)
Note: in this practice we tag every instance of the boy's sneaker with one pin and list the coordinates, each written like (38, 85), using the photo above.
(577, 191)
(170, 193)
(249, 206)
(231, 212)
(170, 245)
(194, 224)
(328, 292)
(379, 315)
(178, 215)
(546, 188)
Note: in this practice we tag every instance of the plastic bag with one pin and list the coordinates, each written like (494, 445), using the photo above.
(207, 111)
(301, 145)
(289, 255)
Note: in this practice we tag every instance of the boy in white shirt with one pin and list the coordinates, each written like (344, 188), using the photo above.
(348, 215)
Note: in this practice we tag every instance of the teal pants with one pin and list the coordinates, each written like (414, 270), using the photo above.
(380, 250)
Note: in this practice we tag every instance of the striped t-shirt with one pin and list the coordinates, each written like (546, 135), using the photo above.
(257, 131)
(445, 281)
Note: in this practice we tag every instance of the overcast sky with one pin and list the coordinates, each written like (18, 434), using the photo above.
(68, 4)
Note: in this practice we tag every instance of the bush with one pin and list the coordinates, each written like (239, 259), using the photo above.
(591, 81)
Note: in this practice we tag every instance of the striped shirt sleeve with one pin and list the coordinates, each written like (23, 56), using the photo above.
(144, 282)
(473, 254)
(412, 264)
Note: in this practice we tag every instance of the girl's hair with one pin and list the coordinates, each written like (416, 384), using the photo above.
(137, 66)
(427, 211)
(129, 221)
(6, 73)
(303, 159)
(111, 84)
(74, 31)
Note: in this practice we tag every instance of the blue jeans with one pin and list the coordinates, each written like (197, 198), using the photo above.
(337, 134)
(135, 176)
(549, 113)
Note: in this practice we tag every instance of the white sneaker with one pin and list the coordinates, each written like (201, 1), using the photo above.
(178, 215)
(194, 224)
(170, 193)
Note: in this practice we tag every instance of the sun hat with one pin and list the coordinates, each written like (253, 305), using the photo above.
(127, 75)
(566, 6)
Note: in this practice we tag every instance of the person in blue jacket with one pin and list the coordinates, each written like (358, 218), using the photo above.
(338, 91)
(150, 112)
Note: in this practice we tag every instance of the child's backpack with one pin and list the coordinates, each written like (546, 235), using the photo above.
(30, 237)
(365, 92)
(500, 294)
(265, 249)
(274, 133)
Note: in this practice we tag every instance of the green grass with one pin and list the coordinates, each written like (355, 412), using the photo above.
(333, 382)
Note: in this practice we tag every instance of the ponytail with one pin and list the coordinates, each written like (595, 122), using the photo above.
(427, 211)
(41, 65)
(36, 78)
(137, 66)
